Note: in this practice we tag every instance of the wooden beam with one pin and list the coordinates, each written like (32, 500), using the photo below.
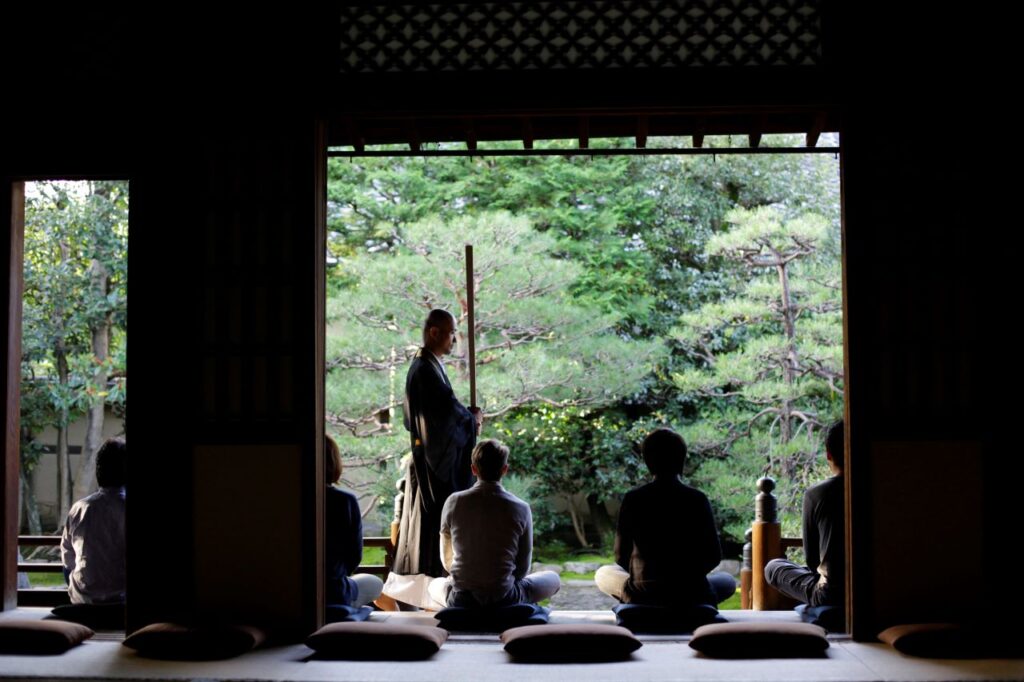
(817, 126)
(355, 135)
(699, 127)
(470, 136)
(642, 126)
(43, 597)
(527, 134)
(39, 540)
(414, 137)
(40, 567)
(584, 132)
(758, 125)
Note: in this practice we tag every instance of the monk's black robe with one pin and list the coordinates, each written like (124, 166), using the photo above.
(443, 434)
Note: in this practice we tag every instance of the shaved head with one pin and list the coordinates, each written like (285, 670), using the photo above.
(439, 331)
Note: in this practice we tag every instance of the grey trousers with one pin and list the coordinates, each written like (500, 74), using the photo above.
(531, 589)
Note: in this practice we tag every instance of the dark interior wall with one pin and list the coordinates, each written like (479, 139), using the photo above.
(225, 374)
(213, 123)
(931, 485)
(930, 489)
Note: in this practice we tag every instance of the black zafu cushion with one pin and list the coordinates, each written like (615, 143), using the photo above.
(176, 642)
(663, 619)
(95, 616)
(40, 637)
(760, 640)
(376, 641)
(491, 618)
(954, 640)
(570, 643)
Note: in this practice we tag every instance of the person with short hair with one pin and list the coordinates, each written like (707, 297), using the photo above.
(487, 541)
(343, 547)
(666, 541)
(92, 546)
(822, 581)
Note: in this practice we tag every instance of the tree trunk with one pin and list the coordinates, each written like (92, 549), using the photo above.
(85, 481)
(599, 515)
(790, 365)
(60, 357)
(29, 508)
(63, 457)
(577, 525)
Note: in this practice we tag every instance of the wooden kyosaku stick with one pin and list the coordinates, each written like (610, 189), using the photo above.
(471, 332)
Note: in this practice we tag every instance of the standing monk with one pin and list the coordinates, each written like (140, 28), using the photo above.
(443, 433)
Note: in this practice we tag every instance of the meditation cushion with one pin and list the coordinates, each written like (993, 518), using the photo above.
(175, 642)
(491, 619)
(664, 619)
(96, 616)
(40, 637)
(952, 640)
(376, 641)
(570, 643)
(832, 618)
(343, 613)
(760, 640)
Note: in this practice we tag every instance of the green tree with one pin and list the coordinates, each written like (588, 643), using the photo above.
(536, 343)
(74, 317)
(637, 231)
(769, 357)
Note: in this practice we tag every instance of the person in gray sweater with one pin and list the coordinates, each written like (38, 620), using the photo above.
(487, 541)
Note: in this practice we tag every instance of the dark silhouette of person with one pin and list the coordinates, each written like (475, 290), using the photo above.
(343, 545)
(442, 432)
(92, 547)
(666, 541)
(821, 582)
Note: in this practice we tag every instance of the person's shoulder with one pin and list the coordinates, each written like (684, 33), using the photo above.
(638, 493)
(342, 494)
(78, 510)
(456, 496)
(830, 483)
(515, 500)
(98, 497)
(642, 489)
(339, 497)
(79, 507)
(417, 362)
(830, 486)
(694, 491)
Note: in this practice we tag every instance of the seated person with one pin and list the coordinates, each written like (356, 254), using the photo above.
(487, 541)
(92, 546)
(821, 581)
(343, 550)
(666, 541)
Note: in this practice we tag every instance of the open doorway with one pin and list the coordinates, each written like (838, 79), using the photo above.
(621, 297)
(73, 380)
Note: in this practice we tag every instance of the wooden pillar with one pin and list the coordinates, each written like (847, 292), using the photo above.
(12, 207)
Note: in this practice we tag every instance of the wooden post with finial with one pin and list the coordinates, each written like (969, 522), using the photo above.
(766, 544)
(746, 571)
